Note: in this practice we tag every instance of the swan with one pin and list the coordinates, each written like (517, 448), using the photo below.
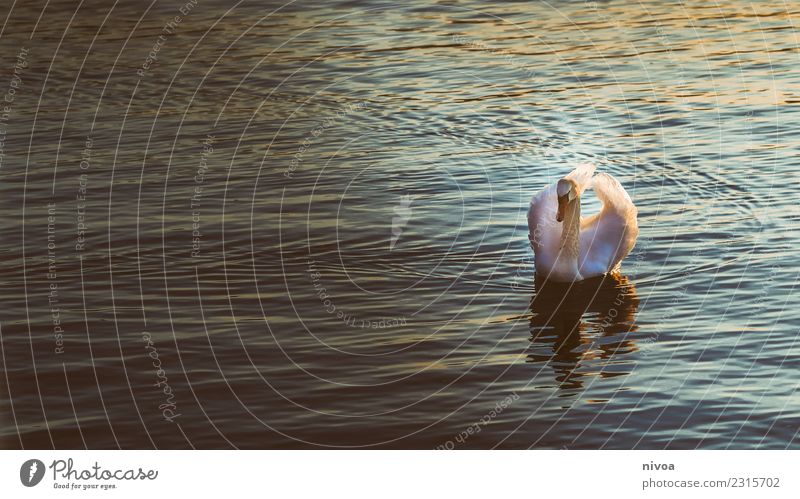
(568, 248)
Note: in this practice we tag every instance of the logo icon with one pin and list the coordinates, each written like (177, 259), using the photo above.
(403, 215)
(31, 472)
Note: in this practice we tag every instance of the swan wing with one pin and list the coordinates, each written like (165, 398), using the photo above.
(607, 237)
(544, 231)
(582, 175)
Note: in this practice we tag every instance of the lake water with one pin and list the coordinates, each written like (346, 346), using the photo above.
(274, 226)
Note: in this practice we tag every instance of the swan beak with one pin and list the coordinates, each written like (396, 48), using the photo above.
(562, 207)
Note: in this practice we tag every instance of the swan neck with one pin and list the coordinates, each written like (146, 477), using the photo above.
(570, 233)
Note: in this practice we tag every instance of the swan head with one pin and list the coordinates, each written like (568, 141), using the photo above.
(567, 191)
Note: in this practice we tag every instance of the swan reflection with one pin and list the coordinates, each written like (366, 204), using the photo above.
(577, 328)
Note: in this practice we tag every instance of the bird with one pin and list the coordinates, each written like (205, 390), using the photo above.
(568, 248)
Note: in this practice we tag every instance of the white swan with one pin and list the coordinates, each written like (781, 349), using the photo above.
(570, 248)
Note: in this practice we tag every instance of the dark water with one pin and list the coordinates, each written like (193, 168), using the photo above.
(311, 219)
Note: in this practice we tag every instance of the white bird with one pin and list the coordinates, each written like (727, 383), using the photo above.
(569, 248)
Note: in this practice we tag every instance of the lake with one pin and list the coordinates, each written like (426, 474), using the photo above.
(259, 225)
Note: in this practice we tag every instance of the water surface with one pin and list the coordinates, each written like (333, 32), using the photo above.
(305, 225)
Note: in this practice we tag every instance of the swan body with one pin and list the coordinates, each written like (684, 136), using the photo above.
(569, 248)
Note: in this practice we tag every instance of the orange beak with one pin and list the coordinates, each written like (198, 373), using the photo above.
(562, 207)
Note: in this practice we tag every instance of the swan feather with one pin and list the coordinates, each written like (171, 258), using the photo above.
(605, 237)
